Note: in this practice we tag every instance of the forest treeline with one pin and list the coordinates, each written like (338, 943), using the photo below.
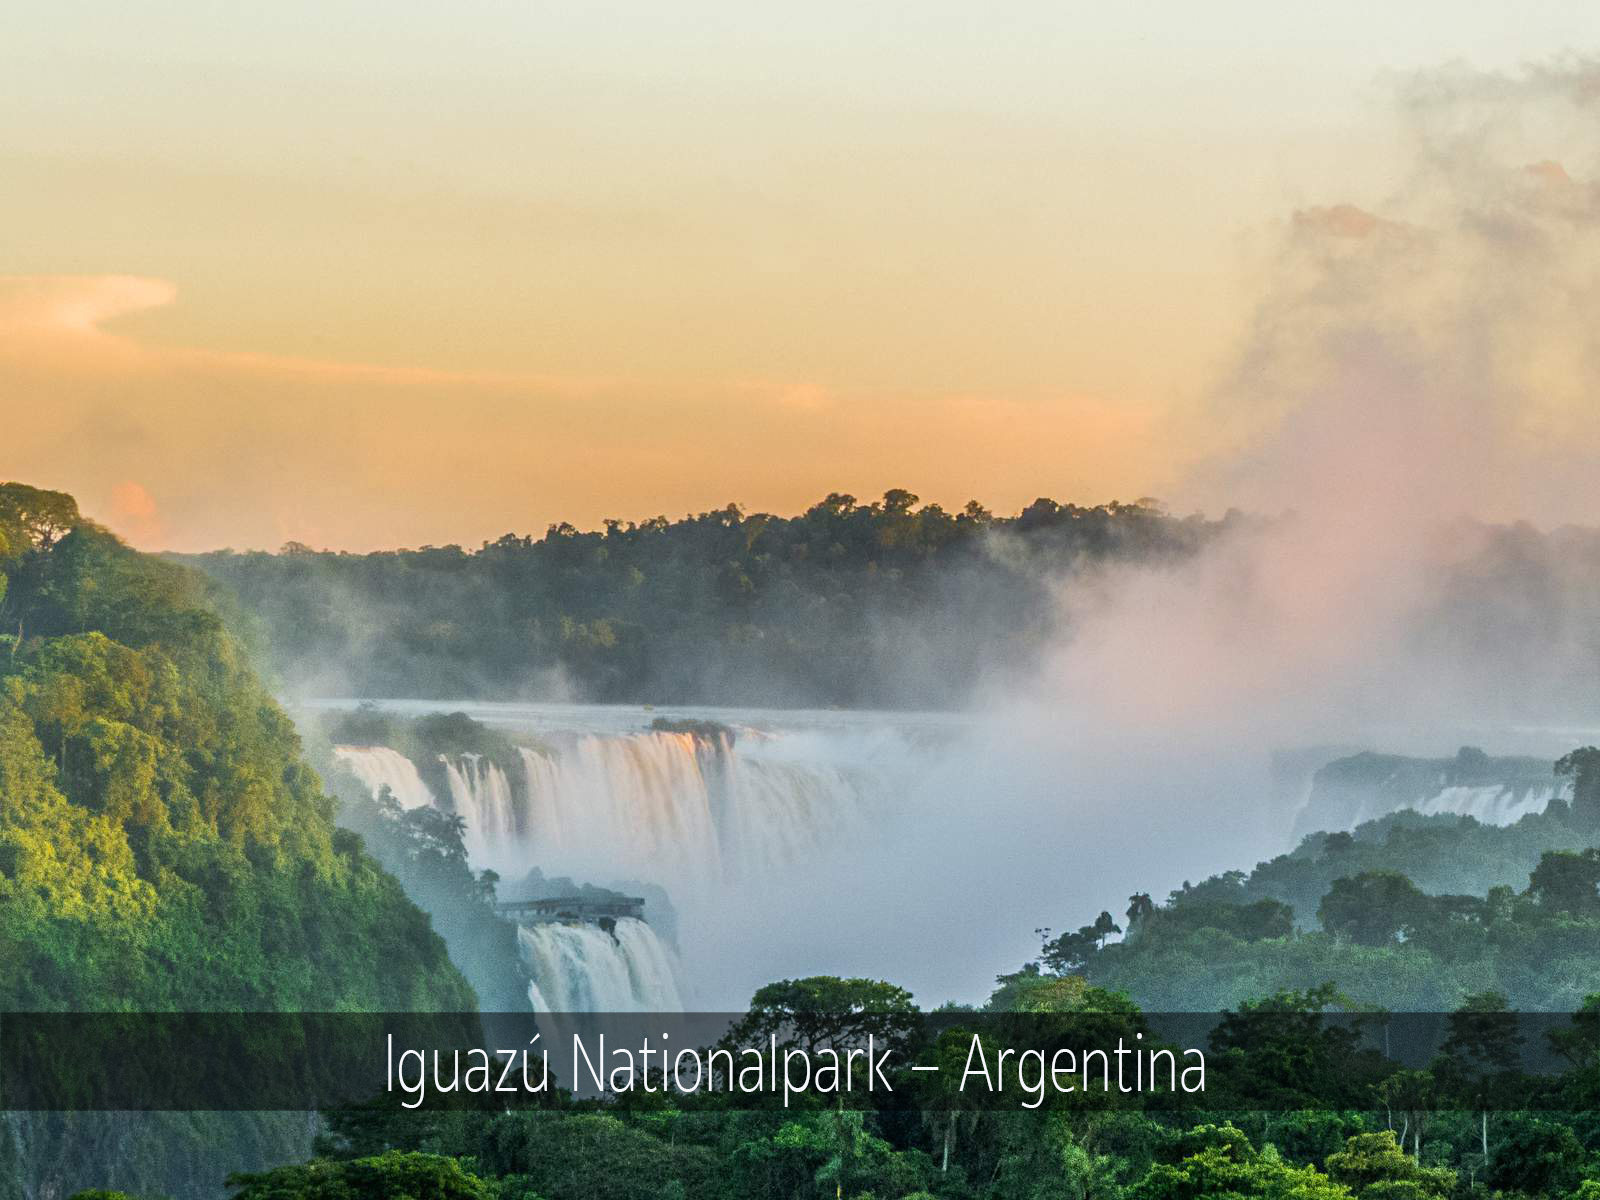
(163, 846)
(1409, 912)
(891, 603)
(886, 603)
(1297, 1107)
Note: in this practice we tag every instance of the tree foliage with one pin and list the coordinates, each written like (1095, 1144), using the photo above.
(162, 844)
(847, 603)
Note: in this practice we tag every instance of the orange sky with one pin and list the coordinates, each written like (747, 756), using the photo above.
(191, 449)
(362, 276)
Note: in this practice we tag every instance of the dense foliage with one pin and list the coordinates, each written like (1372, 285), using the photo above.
(1409, 912)
(1290, 1114)
(163, 846)
(1295, 1108)
(847, 603)
(424, 849)
(886, 604)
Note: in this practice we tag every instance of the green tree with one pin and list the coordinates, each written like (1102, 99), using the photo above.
(1373, 908)
(1410, 1095)
(1482, 1051)
(33, 518)
(1566, 881)
(825, 1010)
(1217, 1162)
(1539, 1158)
(591, 1156)
(1580, 1044)
(1583, 767)
(1071, 950)
(397, 1175)
(1030, 991)
(1372, 1165)
(1282, 1051)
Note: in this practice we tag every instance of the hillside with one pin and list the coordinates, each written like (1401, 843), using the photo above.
(162, 844)
(1409, 912)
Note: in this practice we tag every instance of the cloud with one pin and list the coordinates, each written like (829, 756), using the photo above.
(1339, 220)
(56, 305)
(1435, 355)
(1551, 173)
(1405, 367)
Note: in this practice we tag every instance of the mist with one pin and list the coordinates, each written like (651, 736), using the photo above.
(1416, 394)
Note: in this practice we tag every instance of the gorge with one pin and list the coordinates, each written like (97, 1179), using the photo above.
(730, 819)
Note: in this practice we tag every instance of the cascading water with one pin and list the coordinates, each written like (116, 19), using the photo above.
(634, 806)
(684, 812)
(584, 968)
(379, 767)
(481, 795)
(1493, 805)
(722, 827)
(855, 843)
(780, 812)
(1357, 788)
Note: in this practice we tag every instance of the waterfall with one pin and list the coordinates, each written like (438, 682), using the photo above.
(730, 830)
(1364, 787)
(683, 812)
(779, 812)
(675, 809)
(1491, 804)
(636, 805)
(583, 968)
(481, 796)
(379, 767)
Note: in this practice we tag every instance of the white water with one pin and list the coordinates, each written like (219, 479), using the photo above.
(736, 833)
(920, 848)
(666, 808)
(583, 968)
(481, 794)
(574, 967)
(678, 811)
(622, 806)
(1493, 804)
(379, 767)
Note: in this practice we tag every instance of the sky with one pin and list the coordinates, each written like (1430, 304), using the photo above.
(365, 275)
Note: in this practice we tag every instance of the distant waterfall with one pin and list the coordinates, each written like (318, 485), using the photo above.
(620, 806)
(780, 812)
(583, 968)
(1363, 787)
(379, 767)
(1493, 805)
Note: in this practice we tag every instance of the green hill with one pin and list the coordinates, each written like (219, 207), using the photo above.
(1408, 912)
(162, 844)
